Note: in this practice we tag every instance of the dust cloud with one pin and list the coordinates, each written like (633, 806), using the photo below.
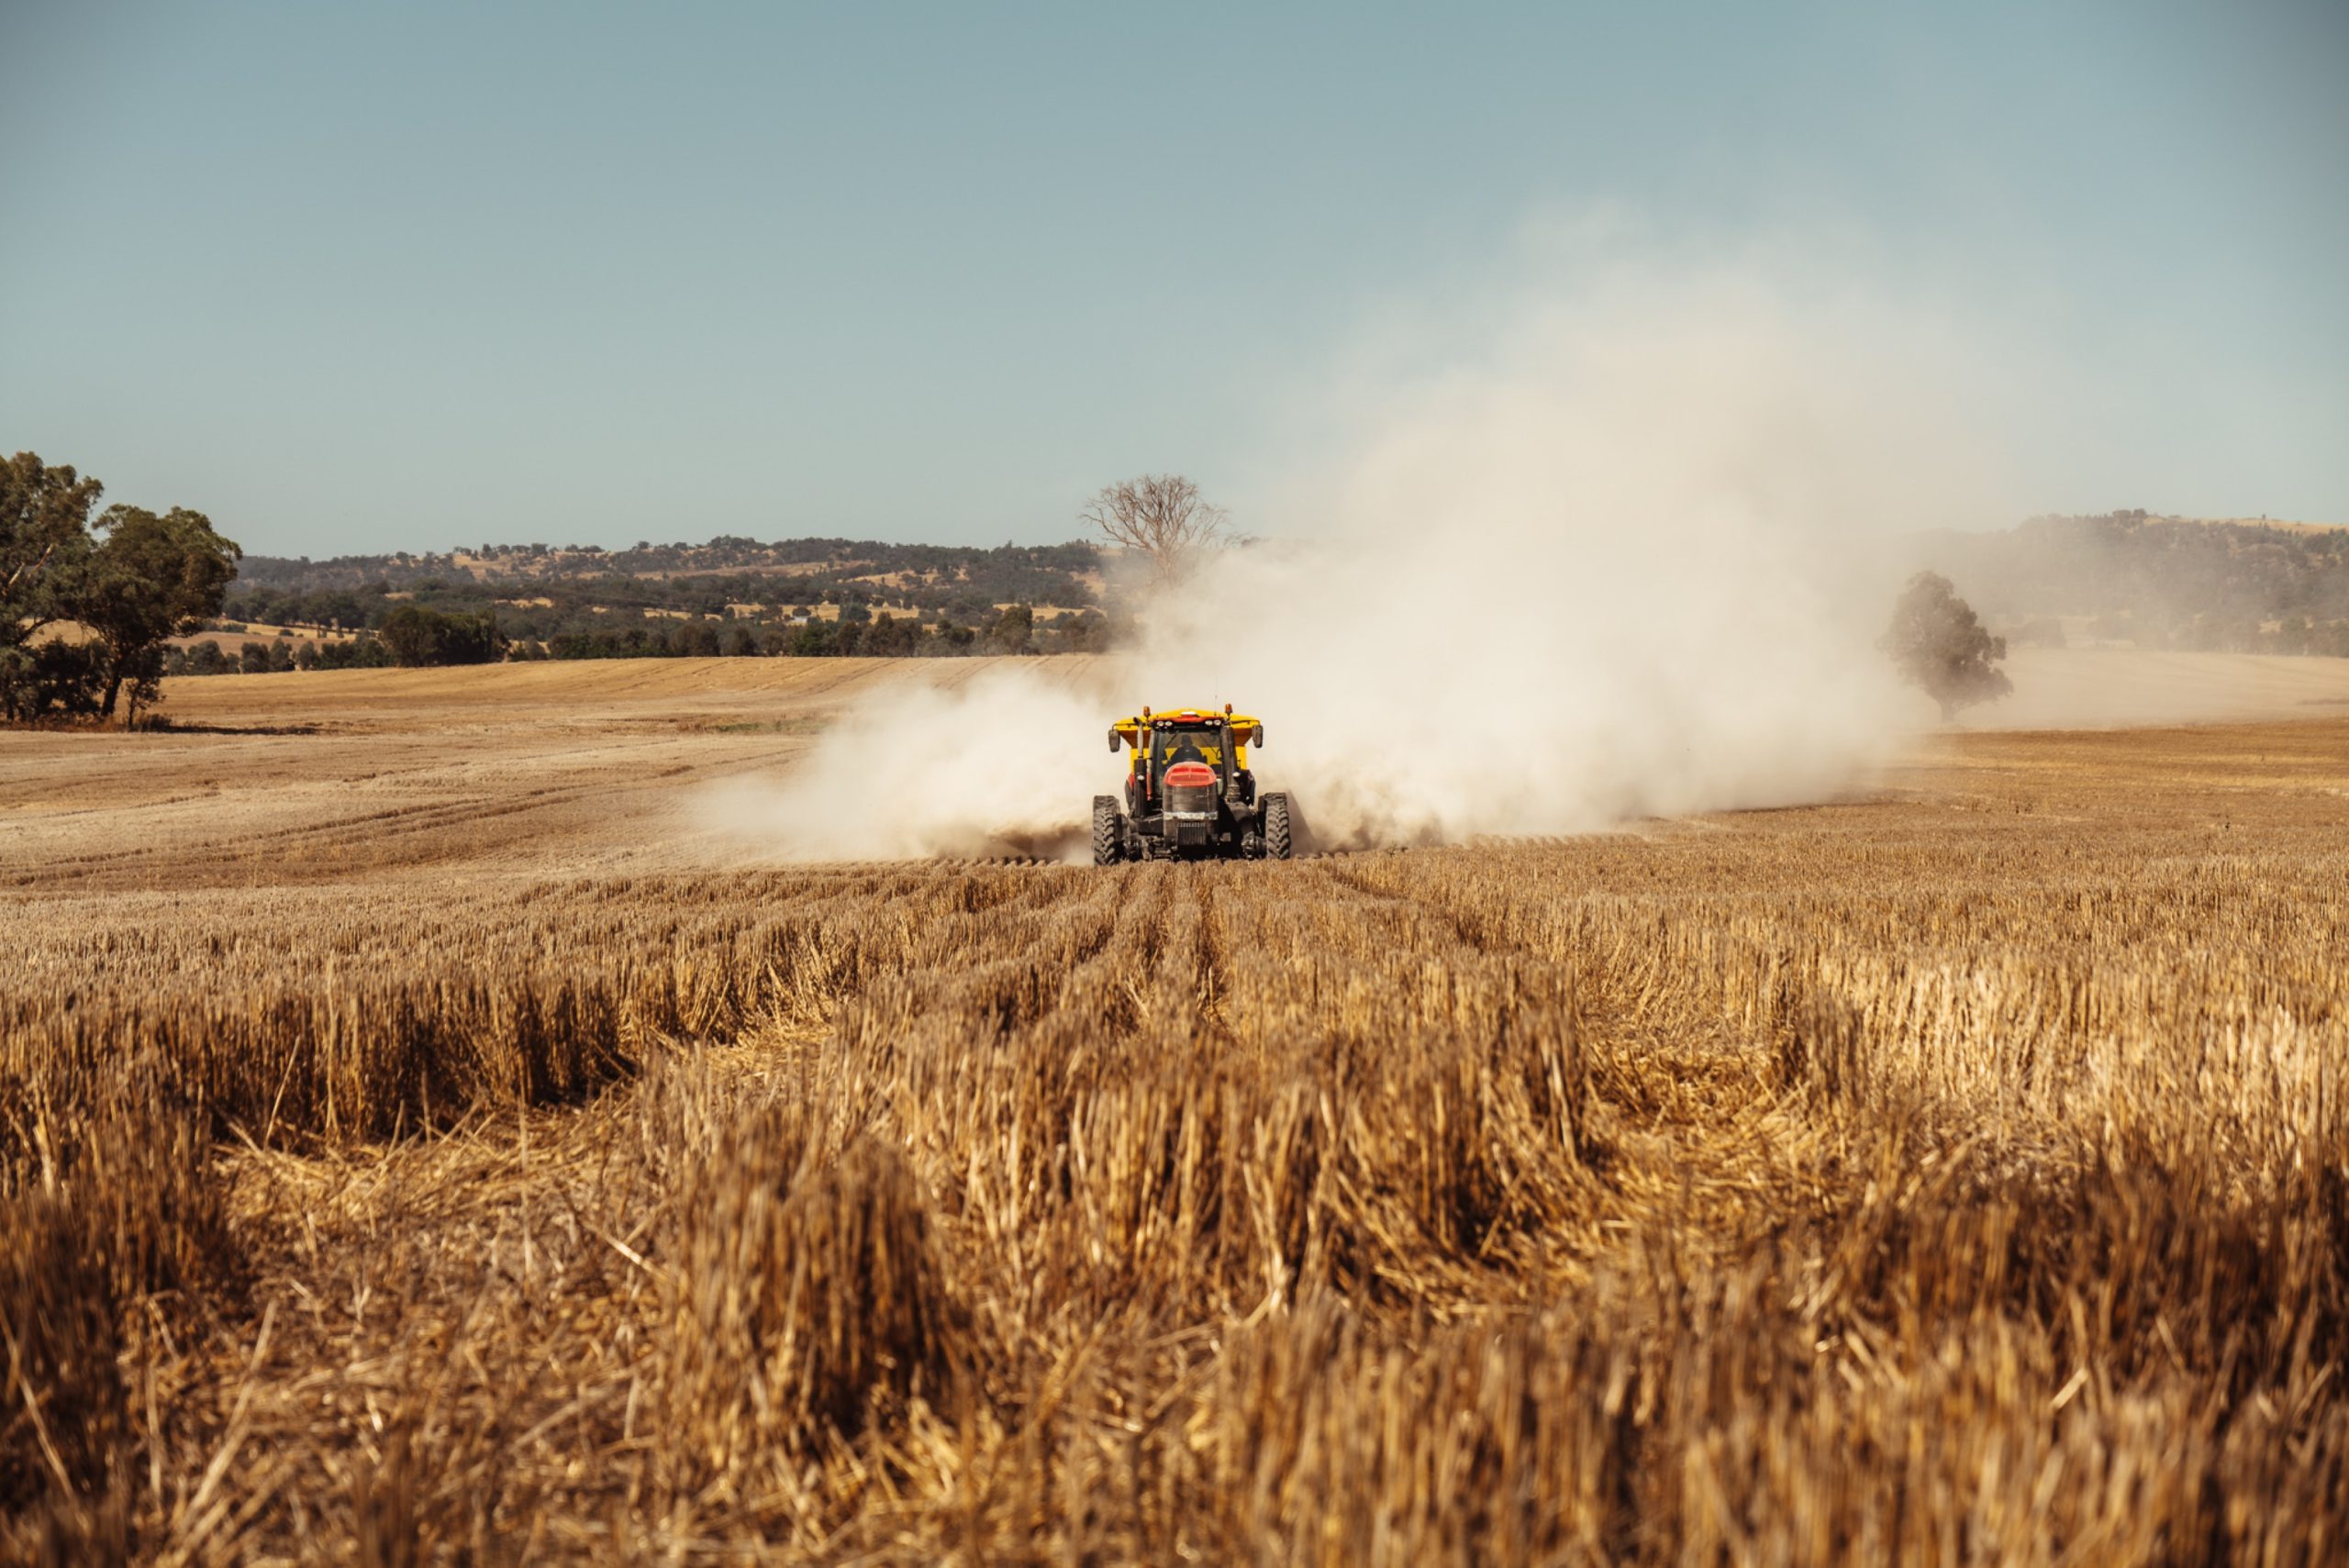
(1609, 557)
(1006, 764)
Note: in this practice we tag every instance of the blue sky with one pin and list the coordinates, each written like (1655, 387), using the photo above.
(354, 278)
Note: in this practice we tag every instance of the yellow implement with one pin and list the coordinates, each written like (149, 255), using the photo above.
(1246, 731)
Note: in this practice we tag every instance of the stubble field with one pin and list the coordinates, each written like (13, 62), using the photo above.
(418, 1143)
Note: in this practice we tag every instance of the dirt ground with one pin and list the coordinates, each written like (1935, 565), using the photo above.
(561, 765)
(485, 1169)
(328, 774)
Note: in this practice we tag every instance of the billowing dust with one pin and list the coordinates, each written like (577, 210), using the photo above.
(1613, 561)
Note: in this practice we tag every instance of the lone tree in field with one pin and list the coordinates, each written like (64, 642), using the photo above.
(1941, 646)
(1160, 517)
(150, 578)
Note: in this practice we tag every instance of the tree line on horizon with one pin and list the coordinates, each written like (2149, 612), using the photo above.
(415, 636)
(2157, 582)
(2160, 583)
(90, 603)
(96, 607)
(434, 618)
(1010, 571)
(732, 597)
(538, 600)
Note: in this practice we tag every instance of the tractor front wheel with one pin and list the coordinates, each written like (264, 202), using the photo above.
(1276, 831)
(1108, 831)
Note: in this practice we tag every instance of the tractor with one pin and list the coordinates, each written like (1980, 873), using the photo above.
(1189, 794)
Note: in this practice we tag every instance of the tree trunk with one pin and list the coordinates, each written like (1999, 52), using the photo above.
(114, 688)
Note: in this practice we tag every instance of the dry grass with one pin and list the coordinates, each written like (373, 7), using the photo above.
(1956, 1175)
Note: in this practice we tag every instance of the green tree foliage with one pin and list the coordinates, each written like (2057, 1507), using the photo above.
(149, 579)
(787, 577)
(130, 583)
(200, 659)
(360, 654)
(813, 640)
(1015, 631)
(1941, 646)
(579, 602)
(44, 540)
(892, 637)
(61, 681)
(1084, 632)
(418, 637)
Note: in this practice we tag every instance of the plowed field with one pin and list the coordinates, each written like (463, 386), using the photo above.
(417, 1145)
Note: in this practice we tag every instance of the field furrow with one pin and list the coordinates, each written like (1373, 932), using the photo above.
(1953, 1171)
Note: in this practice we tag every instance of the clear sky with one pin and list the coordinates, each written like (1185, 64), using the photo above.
(354, 277)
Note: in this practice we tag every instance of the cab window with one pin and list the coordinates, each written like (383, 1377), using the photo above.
(1165, 743)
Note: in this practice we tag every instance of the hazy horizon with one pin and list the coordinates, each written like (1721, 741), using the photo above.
(472, 548)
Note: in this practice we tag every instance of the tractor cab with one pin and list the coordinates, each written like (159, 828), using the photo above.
(1198, 737)
(1188, 789)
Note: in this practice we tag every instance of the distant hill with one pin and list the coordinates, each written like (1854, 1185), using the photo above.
(587, 601)
(731, 595)
(2157, 582)
(2129, 577)
(933, 577)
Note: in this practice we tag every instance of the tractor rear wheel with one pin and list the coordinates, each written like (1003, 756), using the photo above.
(1108, 831)
(1276, 832)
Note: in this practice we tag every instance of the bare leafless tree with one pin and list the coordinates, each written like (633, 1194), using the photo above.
(1161, 519)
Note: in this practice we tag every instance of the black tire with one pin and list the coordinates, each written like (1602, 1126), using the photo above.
(1108, 831)
(1276, 833)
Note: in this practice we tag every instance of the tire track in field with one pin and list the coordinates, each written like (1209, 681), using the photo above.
(478, 815)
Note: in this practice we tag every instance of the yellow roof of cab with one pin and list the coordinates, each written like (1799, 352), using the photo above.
(1187, 715)
(1244, 728)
